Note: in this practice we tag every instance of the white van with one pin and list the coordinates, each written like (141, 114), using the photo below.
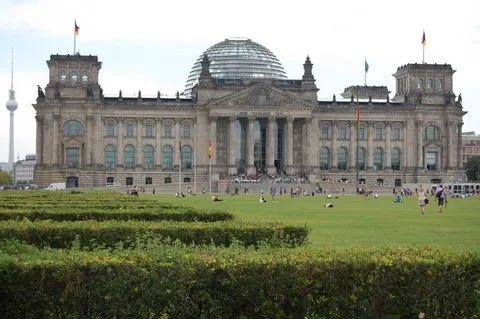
(56, 186)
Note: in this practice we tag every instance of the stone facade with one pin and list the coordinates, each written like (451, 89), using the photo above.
(271, 126)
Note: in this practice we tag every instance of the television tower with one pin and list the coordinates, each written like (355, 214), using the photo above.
(11, 105)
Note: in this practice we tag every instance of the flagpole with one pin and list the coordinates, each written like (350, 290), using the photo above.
(358, 148)
(210, 175)
(74, 42)
(365, 73)
(423, 55)
(195, 161)
(180, 171)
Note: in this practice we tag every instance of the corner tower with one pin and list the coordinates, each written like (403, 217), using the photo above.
(429, 84)
(73, 77)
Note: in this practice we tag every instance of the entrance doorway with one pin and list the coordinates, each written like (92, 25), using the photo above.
(72, 182)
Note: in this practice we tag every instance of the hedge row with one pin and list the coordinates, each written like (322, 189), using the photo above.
(235, 283)
(147, 214)
(110, 233)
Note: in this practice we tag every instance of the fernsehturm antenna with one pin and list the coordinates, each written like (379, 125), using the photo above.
(11, 105)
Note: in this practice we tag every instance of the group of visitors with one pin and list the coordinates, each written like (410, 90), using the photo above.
(440, 197)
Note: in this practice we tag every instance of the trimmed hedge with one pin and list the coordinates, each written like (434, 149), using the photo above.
(110, 233)
(186, 214)
(176, 282)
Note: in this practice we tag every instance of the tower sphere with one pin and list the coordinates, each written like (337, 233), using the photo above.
(12, 104)
(237, 58)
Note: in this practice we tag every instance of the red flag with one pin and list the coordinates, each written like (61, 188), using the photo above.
(210, 150)
(77, 28)
(357, 115)
(424, 39)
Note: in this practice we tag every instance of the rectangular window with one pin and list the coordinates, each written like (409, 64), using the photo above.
(129, 181)
(378, 133)
(129, 130)
(361, 133)
(72, 157)
(186, 179)
(168, 180)
(168, 130)
(325, 132)
(431, 159)
(148, 131)
(396, 134)
(342, 133)
(148, 181)
(110, 130)
(186, 131)
(110, 180)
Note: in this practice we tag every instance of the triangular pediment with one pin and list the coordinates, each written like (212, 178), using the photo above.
(261, 96)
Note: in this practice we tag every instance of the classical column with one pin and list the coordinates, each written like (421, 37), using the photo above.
(39, 140)
(250, 148)
(289, 148)
(459, 146)
(56, 146)
(370, 146)
(176, 147)
(213, 139)
(89, 140)
(308, 156)
(388, 146)
(120, 145)
(138, 147)
(232, 169)
(334, 161)
(352, 150)
(420, 144)
(158, 142)
(271, 146)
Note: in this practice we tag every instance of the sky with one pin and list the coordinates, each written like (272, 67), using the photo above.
(152, 45)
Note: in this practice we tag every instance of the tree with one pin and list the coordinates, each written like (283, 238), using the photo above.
(5, 178)
(472, 169)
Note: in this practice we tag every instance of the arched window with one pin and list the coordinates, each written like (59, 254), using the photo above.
(148, 156)
(167, 154)
(110, 156)
(430, 83)
(431, 133)
(324, 158)
(378, 158)
(395, 159)
(73, 128)
(129, 157)
(84, 76)
(62, 76)
(342, 158)
(73, 76)
(361, 158)
(440, 84)
(186, 156)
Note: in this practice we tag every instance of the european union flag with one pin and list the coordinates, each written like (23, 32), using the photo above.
(366, 66)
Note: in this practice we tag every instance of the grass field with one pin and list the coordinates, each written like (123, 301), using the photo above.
(360, 221)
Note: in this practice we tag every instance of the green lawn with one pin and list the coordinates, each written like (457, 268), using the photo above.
(360, 221)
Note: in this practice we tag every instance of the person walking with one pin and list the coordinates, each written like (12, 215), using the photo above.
(440, 196)
(422, 199)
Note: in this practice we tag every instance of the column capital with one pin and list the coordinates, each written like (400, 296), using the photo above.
(449, 123)
(57, 117)
(213, 119)
(39, 118)
(271, 118)
(290, 119)
(159, 119)
(352, 123)
(460, 124)
(89, 117)
(232, 118)
(419, 122)
(251, 118)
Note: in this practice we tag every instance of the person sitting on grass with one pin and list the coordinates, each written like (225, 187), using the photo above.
(215, 198)
(397, 199)
(262, 200)
(329, 205)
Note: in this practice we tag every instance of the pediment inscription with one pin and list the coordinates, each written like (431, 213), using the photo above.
(263, 97)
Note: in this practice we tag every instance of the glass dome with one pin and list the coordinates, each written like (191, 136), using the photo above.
(237, 58)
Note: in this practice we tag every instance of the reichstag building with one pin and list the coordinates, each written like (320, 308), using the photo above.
(239, 101)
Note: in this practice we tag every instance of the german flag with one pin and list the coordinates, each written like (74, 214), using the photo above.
(77, 28)
(210, 150)
(424, 39)
(357, 116)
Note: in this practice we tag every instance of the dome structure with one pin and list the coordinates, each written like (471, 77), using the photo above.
(237, 58)
(12, 104)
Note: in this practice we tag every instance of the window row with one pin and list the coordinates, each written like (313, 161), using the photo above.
(343, 133)
(75, 128)
(148, 157)
(72, 76)
(129, 130)
(342, 158)
(148, 181)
